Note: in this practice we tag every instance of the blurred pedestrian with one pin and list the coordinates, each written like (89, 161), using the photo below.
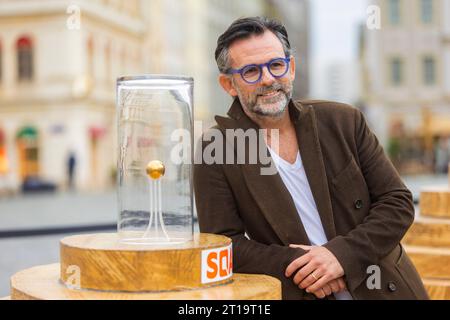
(71, 164)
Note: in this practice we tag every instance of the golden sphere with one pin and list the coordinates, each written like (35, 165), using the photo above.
(155, 169)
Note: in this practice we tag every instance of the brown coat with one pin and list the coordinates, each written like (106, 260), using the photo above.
(364, 207)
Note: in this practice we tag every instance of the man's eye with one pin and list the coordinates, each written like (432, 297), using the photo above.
(250, 71)
(277, 65)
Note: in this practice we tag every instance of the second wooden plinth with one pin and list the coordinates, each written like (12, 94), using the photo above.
(429, 232)
(435, 202)
(102, 262)
(431, 263)
(42, 283)
(438, 289)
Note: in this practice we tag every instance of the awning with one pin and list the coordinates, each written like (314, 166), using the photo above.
(28, 133)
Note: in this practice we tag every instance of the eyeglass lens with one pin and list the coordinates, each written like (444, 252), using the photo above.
(276, 67)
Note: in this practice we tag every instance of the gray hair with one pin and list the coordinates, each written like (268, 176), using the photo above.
(244, 28)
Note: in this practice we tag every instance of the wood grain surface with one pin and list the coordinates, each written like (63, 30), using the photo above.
(430, 262)
(429, 232)
(42, 283)
(438, 289)
(435, 202)
(105, 263)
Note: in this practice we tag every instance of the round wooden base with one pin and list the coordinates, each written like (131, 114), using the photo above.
(429, 232)
(103, 262)
(435, 202)
(430, 262)
(438, 289)
(42, 283)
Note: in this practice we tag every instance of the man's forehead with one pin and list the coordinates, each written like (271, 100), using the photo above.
(256, 49)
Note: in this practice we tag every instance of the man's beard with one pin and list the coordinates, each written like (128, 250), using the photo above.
(266, 106)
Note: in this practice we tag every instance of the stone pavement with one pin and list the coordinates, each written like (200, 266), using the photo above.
(41, 211)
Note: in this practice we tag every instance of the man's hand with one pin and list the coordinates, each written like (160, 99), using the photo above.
(316, 269)
(334, 286)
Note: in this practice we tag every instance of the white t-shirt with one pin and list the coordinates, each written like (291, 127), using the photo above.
(295, 180)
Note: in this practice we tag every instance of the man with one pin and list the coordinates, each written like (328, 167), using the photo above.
(329, 221)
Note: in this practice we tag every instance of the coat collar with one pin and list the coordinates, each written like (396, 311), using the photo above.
(270, 192)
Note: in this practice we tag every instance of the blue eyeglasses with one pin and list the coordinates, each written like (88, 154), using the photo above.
(252, 73)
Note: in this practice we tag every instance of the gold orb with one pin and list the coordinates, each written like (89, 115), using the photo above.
(155, 169)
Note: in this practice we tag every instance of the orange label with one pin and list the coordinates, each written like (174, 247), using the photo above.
(217, 264)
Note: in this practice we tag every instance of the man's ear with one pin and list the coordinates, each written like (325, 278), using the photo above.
(227, 84)
(292, 68)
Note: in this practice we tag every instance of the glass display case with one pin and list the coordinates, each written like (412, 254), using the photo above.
(155, 130)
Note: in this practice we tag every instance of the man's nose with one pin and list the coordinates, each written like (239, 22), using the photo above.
(266, 77)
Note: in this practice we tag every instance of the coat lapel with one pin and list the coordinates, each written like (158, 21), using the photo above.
(270, 192)
(311, 154)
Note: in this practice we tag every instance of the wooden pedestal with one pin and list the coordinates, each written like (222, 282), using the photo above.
(429, 232)
(99, 266)
(438, 289)
(427, 242)
(42, 283)
(108, 264)
(430, 262)
(435, 202)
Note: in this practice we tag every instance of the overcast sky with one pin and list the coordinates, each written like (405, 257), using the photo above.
(334, 33)
(334, 28)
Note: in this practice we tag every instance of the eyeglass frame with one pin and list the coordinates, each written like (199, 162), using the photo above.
(260, 67)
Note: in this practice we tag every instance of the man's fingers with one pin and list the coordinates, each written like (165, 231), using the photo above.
(334, 285)
(318, 284)
(327, 289)
(303, 274)
(297, 263)
(319, 294)
(341, 284)
(310, 279)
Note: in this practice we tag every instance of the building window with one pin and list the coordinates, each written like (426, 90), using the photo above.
(429, 71)
(28, 152)
(426, 9)
(394, 12)
(25, 59)
(396, 71)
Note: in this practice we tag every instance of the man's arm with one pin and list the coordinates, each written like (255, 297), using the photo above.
(390, 215)
(218, 213)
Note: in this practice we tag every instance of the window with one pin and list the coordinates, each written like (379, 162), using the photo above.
(396, 71)
(394, 12)
(25, 59)
(28, 152)
(426, 9)
(429, 71)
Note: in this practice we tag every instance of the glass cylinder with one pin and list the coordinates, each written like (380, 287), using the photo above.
(154, 159)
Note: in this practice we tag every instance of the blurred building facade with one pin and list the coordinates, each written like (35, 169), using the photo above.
(406, 80)
(295, 15)
(340, 81)
(59, 61)
(57, 86)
